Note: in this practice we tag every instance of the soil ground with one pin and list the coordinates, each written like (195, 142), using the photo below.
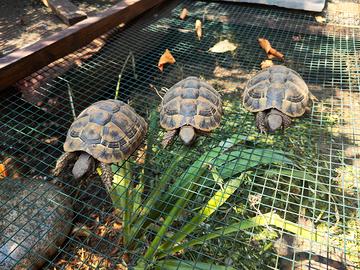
(25, 22)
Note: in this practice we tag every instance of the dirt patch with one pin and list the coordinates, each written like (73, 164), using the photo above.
(343, 13)
(25, 22)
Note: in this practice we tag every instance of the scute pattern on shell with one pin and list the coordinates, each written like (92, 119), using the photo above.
(109, 130)
(277, 87)
(191, 102)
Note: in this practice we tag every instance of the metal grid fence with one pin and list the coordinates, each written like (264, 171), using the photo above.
(308, 175)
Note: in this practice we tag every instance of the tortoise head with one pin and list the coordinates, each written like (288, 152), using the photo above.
(84, 163)
(274, 120)
(187, 134)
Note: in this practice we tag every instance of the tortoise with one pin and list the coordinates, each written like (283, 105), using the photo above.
(190, 107)
(276, 94)
(105, 132)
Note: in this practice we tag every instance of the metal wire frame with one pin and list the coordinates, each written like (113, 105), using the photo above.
(329, 63)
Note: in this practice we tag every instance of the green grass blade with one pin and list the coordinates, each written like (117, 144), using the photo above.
(149, 204)
(174, 213)
(122, 187)
(235, 162)
(212, 205)
(188, 265)
(268, 219)
(195, 168)
(150, 140)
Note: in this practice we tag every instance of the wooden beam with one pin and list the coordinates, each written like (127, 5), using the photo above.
(66, 11)
(25, 61)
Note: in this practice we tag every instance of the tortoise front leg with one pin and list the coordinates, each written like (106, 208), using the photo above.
(106, 175)
(260, 121)
(168, 137)
(62, 162)
(286, 120)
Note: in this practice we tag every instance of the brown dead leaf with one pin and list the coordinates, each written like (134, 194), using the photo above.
(114, 251)
(266, 63)
(126, 257)
(121, 267)
(265, 44)
(140, 156)
(166, 58)
(223, 46)
(320, 19)
(51, 140)
(198, 29)
(117, 226)
(3, 172)
(184, 14)
(82, 231)
(101, 231)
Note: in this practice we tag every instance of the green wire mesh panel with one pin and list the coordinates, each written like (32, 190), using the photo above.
(236, 199)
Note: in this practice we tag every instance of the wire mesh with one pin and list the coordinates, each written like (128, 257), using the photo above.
(308, 177)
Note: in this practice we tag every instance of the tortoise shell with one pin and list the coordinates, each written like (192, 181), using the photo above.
(277, 87)
(191, 102)
(109, 130)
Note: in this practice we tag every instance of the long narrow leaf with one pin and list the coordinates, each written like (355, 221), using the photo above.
(149, 205)
(232, 163)
(207, 157)
(195, 168)
(177, 208)
(218, 199)
(268, 219)
(188, 265)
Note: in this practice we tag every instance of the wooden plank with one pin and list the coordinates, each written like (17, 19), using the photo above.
(25, 61)
(66, 11)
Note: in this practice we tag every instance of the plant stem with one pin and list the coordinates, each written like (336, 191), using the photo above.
(122, 71)
(129, 203)
(71, 101)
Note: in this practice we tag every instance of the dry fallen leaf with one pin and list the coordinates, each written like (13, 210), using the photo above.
(184, 13)
(266, 64)
(265, 44)
(320, 19)
(198, 29)
(223, 46)
(101, 230)
(166, 58)
(51, 140)
(3, 171)
(82, 231)
(117, 226)
(126, 257)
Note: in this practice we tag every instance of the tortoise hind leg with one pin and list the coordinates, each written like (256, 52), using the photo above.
(168, 137)
(62, 162)
(260, 121)
(106, 175)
